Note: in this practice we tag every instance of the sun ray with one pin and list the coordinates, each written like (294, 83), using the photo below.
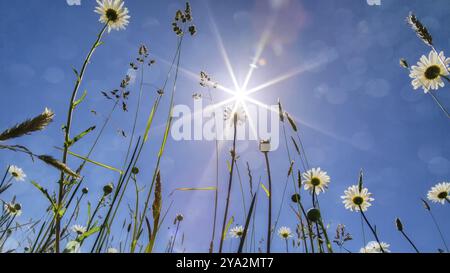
(195, 77)
(222, 49)
(294, 72)
(259, 50)
(250, 120)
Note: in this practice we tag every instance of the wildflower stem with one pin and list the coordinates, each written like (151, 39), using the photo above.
(300, 206)
(439, 230)
(319, 239)
(322, 226)
(100, 202)
(73, 215)
(281, 204)
(287, 246)
(409, 240)
(4, 178)
(80, 76)
(436, 100)
(5, 231)
(175, 237)
(230, 181)
(371, 228)
(269, 225)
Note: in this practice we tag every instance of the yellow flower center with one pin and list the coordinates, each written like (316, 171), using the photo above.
(112, 15)
(315, 181)
(358, 200)
(14, 174)
(442, 195)
(432, 72)
(239, 233)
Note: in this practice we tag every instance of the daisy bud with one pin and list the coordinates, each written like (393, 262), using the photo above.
(399, 224)
(179, 217)
(85, 190)
(135, 170)
(295, 198)
(107, 189)
(313, 215)
(404, 63)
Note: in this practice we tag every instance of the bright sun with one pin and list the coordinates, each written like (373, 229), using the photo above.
(240, 95)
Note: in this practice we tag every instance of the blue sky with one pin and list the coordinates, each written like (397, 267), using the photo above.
(356, 109)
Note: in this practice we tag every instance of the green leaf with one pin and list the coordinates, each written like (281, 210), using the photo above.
(93, 162)
(99, 44)
(89, 233)
(166, 135)
(265, 189)
(45, 192)
(228, 166)
(76, 73)
(88, 213)
(61, 212)
(80, 100)
(150, 120)
(247, 222)
(230, 222)
(193, 189)
(80, 136)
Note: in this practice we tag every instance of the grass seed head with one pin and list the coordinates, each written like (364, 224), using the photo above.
(419, 29)
(37, 123)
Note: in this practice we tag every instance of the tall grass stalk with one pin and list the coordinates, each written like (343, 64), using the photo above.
(269, 224)
(163, 144)
(230, 181)
(153, 111)
(216, 192)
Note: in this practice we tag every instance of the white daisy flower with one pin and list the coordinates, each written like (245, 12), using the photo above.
(429, 71)
(113, 13)
(17, 173)
(285, 233)
(13, 208)
(316, 178)
(112, 250)
(353, 198)
(237, 232)
(72, 247)
(439, 193)
(374, 247)
(78, 229)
